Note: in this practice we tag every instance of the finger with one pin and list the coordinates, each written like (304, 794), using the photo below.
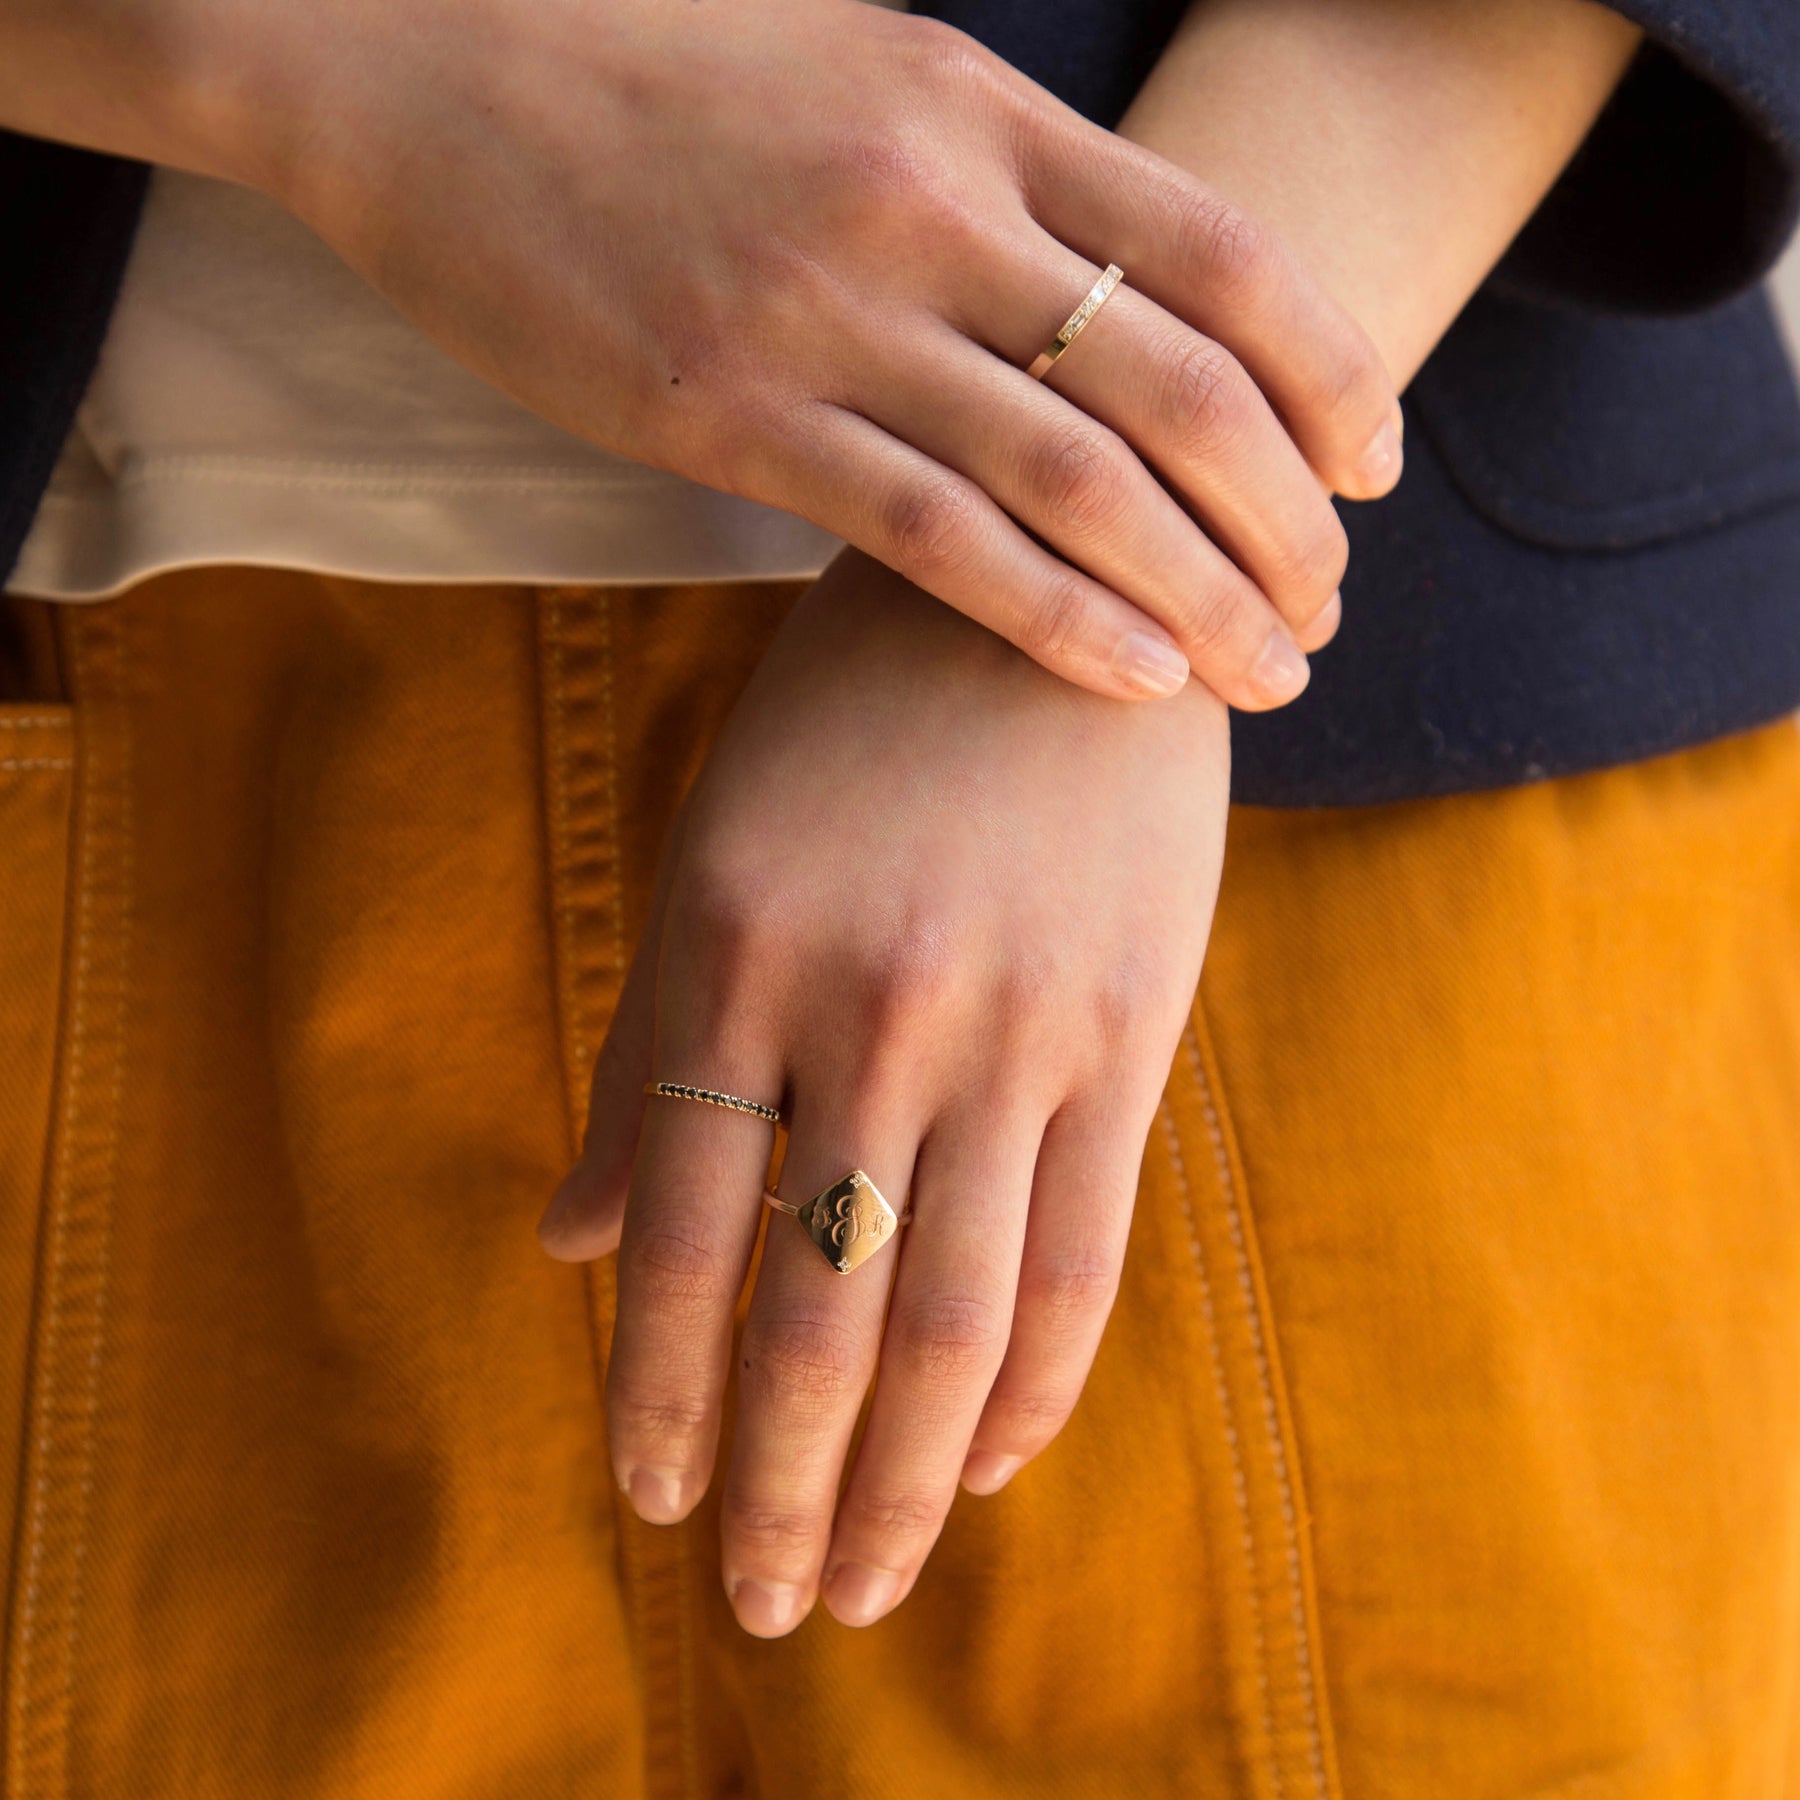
(1081, 1204)
(940, 530)
(1077, 484)
(584, 1216)
(805, 1361)
(690, 1226)
(1190, 410)
(1217, 268)
(946, 1334)
(1323, 628)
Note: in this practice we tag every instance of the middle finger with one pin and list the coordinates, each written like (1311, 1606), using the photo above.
(947, 1332)
(804, 1364)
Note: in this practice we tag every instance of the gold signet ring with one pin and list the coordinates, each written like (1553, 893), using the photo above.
(849, 1222)
(1077, 321)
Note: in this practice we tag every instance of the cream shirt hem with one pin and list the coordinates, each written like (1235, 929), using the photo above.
(387, 522)
(257, 402)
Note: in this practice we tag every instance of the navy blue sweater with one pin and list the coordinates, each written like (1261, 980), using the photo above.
(1594, 556)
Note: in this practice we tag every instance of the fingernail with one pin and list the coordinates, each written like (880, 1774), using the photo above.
(1322, 627)
(658, 1495)
(556, 1214)
(1380, 466)
(765, 1608)
(986, 1473)
(859, 1595)
(1281, 671)
(1151, 665)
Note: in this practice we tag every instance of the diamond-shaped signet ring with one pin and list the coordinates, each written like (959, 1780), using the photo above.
(849, 1222)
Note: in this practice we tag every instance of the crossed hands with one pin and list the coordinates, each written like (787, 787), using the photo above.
(945, 909)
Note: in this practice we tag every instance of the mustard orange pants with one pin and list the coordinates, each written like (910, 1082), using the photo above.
(1445, 1441)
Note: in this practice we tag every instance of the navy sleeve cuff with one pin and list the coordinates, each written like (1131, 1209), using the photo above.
(1689, 184)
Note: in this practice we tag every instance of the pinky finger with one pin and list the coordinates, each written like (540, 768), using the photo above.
(1081, 1205)
(946, 535)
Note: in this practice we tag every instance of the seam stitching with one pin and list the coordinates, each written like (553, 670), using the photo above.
(53, 1321)
(610, 748)
(1239, 1487)
(109, 1179)
(47, 1399)
(565, 925)
(1271, 1421)
(37, 762)
(35, 722)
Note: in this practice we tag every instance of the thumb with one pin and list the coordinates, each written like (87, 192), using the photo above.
(587, 1210)
(583, 1218)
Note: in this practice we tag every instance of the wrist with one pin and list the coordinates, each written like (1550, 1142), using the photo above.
(151, 79)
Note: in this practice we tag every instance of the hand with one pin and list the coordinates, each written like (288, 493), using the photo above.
(800, 251)
(951, 912)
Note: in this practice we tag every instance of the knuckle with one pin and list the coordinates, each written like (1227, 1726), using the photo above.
(915, 975)
(720, 910)
(1030, 1418)
(898, 1513)
(776, 1530)
(1130, 999)
(1354, 384)
(949, 1339)
(1068, 1291)
(931, 529)
(938, 56)
(1078, 476)
(1240, 261)
(669, 1263)
(880, 161)
(1028, 990)
(1207, 397)
(800, 1356)
(1055, 627)
(1309, 564)
(1209, 622)
(668, 1419)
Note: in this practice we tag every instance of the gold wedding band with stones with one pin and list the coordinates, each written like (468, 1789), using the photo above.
(675, 1090)
(1096, 298)
(849, 1222)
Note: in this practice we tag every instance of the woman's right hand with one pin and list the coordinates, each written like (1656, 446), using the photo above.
(800, 251)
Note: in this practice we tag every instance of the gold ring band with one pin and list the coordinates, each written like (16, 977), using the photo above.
(675, 1090)
(1097, 297)
(849, 1222)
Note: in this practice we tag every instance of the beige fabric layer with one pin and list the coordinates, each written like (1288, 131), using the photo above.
(256, 402)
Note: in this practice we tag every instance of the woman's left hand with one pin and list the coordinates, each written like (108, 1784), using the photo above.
(950, 912)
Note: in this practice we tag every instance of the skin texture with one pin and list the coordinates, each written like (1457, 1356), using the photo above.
(587, 205)
(953, 913)
(951, 909)
(940, 1005)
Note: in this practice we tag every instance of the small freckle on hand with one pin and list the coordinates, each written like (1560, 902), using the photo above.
(674, 381)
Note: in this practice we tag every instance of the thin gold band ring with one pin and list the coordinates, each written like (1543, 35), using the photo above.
(1097, 297)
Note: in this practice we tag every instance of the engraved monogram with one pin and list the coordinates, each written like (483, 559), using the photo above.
(849, 1221)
